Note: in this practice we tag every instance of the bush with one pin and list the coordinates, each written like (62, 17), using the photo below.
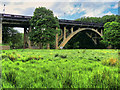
(111, 62)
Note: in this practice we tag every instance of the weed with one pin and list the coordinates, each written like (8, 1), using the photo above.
(119, 52)
(11, 57)
(4, 56)
(111, 62)
(63, 56)
(11, 77)
(56, 55)
(34, 58)
(3, 52)
(18, 55)
(14, 52)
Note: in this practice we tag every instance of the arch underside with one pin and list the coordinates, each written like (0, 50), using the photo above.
(75, 32)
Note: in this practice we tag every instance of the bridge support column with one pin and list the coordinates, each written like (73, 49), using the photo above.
(56, 39)
(25, 29)
(64, 33)
(89, 35)
(48, 46)
(96, 39)
(0, 30)
(61, 36)
(101, 32)
(29, 42)
(71, 29)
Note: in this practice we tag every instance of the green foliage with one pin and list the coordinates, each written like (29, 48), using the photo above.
(110, 18)
(104, 19)
(89, 19)
(111, 34)
(12, 37)
(59, 69)
(43, 25)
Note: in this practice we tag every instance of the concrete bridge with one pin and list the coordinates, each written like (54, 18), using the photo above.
(69, 28)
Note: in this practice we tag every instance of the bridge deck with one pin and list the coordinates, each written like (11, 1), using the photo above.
(23, 21)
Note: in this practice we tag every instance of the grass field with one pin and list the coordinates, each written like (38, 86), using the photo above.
(77, 68)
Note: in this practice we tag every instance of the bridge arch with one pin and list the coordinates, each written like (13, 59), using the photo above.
(75, 32)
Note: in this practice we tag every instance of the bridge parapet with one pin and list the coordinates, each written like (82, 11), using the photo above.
(22, 18)
(79, 23)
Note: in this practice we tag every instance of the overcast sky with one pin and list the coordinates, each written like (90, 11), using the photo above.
(63, 9)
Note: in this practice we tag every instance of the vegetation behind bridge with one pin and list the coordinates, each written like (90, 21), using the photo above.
(104, 19)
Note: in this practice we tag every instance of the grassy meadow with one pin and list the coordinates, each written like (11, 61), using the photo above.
(74, 68)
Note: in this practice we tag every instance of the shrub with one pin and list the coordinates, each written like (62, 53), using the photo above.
(18, 55)
(11, 57)
(111, 62)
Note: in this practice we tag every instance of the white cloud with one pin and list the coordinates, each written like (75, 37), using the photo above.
(91, 9)
(14, 8)
(116, 6)
(109, 13)
(60, 1)
(95, 9)
(59, 8)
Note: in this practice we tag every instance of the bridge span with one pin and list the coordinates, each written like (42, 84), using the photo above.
(68, 28)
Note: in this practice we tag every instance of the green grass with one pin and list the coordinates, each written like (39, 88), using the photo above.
(3, 45)
(60, 68)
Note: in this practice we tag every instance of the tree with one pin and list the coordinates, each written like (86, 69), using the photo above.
(104, 19)
(12, 37)
(43, 25)
(108, 18)
(111, 35)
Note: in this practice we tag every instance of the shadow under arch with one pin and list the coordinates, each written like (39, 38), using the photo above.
(75, 32)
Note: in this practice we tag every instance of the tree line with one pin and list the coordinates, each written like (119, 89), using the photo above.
(104, 19)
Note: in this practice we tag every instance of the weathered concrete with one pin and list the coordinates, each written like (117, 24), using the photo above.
(48, 46)
(71, 29)
(28, 41)
(56, 40)
(75, 32)
(101, 32)
(24, 37)
(0, 30)
(64, 33)
(61, 36)
(90, 35)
